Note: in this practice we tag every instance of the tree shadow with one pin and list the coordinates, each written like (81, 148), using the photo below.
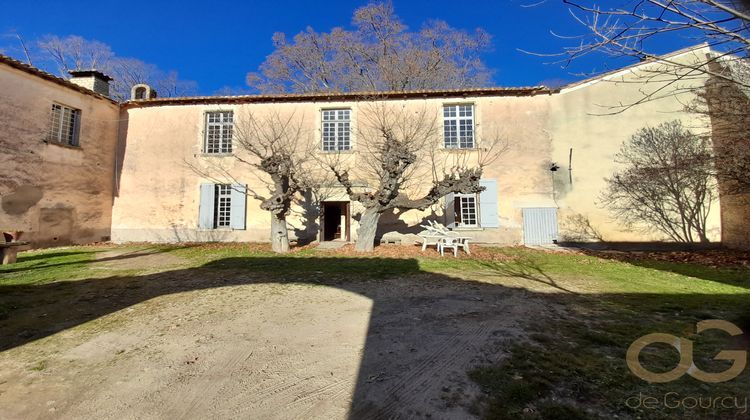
(309, 216)
(456, 317)
(524, 268)
(140, 252)
(711, 262)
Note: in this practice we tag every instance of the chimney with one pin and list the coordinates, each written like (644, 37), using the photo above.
(142, 92)
(91, 79)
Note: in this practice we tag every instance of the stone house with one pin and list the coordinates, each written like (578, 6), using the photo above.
(127, 172)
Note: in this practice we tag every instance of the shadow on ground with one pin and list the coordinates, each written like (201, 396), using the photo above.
(394, 286)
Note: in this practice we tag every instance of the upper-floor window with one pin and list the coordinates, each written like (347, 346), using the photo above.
(458, 126)
(65, 125)
(336, 129)
(219, 128)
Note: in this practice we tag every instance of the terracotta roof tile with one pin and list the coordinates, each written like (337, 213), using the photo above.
(12, 62)
(344, 96)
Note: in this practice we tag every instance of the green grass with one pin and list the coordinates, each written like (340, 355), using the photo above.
(39, 267)
(570, 366)
(573, 366)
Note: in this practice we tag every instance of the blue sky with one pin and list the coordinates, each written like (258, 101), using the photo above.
(216, 43)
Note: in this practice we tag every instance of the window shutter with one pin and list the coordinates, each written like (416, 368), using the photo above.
(450, 212)
(239, 208)
(206, 216)
(488, 204)
(76, 129)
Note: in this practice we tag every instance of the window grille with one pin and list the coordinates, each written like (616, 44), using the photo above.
(336, 128)
(458, 126)
(64, 125)
(219, 130)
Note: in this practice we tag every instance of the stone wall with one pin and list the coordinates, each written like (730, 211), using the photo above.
(56, 194)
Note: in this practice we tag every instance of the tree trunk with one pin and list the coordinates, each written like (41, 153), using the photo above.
(279, 234)
(368, 226)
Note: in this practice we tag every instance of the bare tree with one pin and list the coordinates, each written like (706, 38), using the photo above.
(276, 149)
(379, 54)
(627, 28)
(578, 228)
(398, 155)
(720, 80)
(77, 53)
(663, 184)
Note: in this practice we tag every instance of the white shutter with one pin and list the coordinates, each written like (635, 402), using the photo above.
(238, 205)
(488, 204)
(206, 211)
(450, 211)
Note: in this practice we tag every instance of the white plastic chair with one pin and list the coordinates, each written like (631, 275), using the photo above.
(450, 243)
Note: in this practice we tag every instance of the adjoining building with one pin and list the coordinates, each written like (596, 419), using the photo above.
(57, 153)
(79, 167)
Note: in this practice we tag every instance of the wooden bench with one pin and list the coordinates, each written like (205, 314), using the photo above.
(9, 251)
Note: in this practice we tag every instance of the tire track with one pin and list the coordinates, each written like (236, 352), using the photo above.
(428, 373)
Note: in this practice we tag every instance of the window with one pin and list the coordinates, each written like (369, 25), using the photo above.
(65, 125)
(465, 209)
(222, 205)
(473, 210)
(219, 128)
(458, 126)
(336, 129)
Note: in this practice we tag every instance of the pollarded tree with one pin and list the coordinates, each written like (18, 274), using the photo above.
(398, 157)
(379, 54)
(663, 184)
(277, 150)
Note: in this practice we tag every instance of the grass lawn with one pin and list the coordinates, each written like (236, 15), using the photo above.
(568, 363)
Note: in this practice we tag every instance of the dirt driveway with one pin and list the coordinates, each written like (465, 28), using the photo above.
(205, 343)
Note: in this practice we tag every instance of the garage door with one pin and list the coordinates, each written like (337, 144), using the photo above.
(539, 225)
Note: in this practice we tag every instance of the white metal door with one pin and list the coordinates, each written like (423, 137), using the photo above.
(539, 225)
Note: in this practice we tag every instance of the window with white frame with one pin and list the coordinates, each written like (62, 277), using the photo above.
(222, 205)
(465, 210)
(65, 125)
(219, 129)
(336, 135)
(458, 126)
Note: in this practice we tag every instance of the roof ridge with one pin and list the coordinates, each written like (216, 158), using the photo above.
(28, 68)
(634, 65)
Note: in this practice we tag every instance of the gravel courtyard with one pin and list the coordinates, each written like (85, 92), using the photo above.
(235, 331)
(231, 343)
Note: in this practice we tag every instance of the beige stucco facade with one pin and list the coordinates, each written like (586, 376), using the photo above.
(138, 172)
(158, 192)
(593, 119)
(55, 194)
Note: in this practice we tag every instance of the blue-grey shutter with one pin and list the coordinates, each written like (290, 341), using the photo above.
(238, 206)
(206, 216)
(488, 204)
(450, 211)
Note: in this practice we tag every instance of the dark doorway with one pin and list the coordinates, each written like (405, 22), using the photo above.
(335, 220)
